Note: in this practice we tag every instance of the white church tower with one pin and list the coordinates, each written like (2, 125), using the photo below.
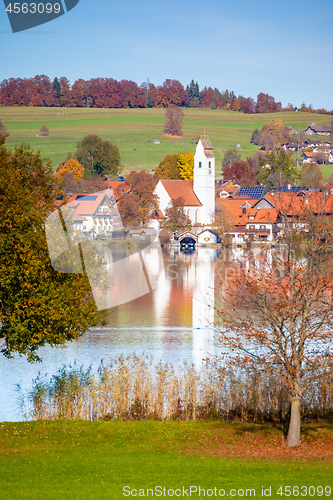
(204, 180)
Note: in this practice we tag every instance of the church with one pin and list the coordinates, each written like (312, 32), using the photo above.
(199, 193)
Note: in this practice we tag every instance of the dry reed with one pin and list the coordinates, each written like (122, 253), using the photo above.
(134, 388)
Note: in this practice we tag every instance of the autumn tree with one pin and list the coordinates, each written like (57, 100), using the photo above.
(38, 305)
(241, 173)
(137, 206)
(98, 157)
(72, 167)
(165, 236)
(168, 168)
(223, 223)
(173, 121)
(266, 104)
(211, 98)
(175, 216)
(311, 175)
(278, 311)
(66, 92)
(273, 135)
(230, 156)
(185, 165)
(170, 94)
(44, 131)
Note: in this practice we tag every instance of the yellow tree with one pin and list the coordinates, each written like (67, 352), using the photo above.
(185, 165)
(71, 166)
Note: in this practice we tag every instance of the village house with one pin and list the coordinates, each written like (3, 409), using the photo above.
(318, 130)
(263, 219)
(93, 214)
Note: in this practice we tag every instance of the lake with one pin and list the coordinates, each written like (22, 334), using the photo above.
(173, 322)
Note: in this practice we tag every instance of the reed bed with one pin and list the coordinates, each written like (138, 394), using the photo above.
(135, 388)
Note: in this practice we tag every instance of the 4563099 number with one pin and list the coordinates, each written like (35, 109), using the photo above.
(304, 491)
(33, 8)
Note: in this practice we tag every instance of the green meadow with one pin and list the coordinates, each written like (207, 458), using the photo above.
(135, 130)
(91, 460)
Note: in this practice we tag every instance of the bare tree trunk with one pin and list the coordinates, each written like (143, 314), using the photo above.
(294, 431)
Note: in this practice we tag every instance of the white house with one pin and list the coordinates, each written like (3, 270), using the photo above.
(92, 213)
(199, 194)
(207, 236)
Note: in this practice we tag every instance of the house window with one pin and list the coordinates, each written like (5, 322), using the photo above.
(262, 227)
(199, 164)
(210, 164)
(84, 228)
(189, 213)
(196, 216)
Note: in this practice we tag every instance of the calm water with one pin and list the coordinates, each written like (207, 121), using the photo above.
(173, 323)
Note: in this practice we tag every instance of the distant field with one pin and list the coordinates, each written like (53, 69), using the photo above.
(134, 131)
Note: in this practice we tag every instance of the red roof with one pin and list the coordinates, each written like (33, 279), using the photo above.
(295, 204)
(234, 203)
(239, 217)
(181, 188)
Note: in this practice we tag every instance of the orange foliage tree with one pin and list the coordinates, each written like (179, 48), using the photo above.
(71, 166)
(137, 206)
(173, 121)
(278, 311)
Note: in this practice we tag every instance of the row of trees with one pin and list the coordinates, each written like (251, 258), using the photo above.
(110, 93)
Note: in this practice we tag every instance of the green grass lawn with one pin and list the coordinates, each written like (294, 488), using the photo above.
(134, 131)
(92, 460)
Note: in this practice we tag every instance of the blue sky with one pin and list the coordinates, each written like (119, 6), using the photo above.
(283, 48)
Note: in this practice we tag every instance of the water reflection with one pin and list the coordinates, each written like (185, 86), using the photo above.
(173, 323)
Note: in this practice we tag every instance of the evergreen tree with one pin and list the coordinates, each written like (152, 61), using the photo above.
(57, 88)
(193, 93)
(255, 139)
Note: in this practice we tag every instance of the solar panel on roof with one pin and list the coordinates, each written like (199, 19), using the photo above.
(294, 189)
(87, 197)
(253, 191)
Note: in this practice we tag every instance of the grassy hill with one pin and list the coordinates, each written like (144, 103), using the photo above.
(135, 130)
